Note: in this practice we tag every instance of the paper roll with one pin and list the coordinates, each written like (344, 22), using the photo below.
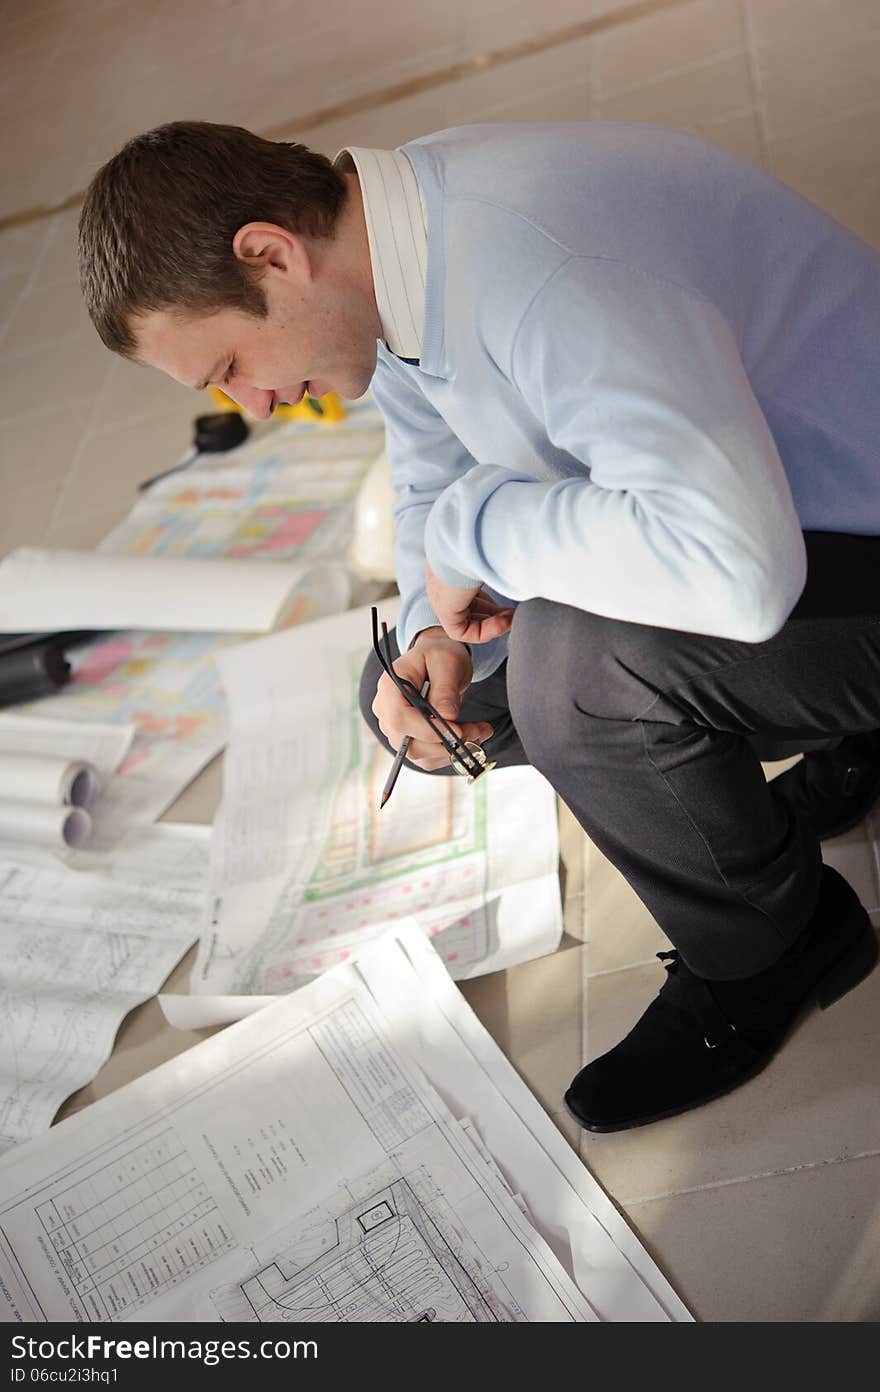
(38, 824)
(63, 589)
(42, 778)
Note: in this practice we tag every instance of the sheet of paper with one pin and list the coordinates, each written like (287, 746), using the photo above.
(288, 494)
(79, 947)
(302, 1156)
(65, 589)
(305, 868)
(588, 1234)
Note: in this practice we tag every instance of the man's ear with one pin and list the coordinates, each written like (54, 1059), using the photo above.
(264, 246)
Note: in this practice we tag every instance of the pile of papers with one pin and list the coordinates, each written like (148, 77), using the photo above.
(360, 1150)
(356, 1147)
(92, 930)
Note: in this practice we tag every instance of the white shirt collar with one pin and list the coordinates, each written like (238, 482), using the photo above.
(397, 231)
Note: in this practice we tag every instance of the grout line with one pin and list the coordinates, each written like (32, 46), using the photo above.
(781, 1173)
(686, 69)
(39, 413)
(63, 491)
(480, 62)
(629, 966)
(40, 345)
(368, 101)
(27, 288)
(757, 86)
(826, 123)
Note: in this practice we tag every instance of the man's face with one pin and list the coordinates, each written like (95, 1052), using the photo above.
(319, 336)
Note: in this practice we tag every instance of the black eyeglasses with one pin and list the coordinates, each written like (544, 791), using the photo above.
(465, 756)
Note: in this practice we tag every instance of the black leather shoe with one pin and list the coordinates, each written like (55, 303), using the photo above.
(699, 1039)
(834, 789)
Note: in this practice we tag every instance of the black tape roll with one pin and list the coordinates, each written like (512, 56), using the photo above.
(34, 671)
(218, 433)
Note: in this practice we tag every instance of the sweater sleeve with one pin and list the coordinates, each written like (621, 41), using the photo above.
(682, 517)
(424, 458)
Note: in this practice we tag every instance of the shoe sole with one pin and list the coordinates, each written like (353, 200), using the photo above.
(842, 976)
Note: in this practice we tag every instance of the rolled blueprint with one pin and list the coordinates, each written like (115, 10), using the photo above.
(64, 589)
(39, 824)
(42, 778)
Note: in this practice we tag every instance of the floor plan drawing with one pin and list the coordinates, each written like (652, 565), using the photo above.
(383, 1260)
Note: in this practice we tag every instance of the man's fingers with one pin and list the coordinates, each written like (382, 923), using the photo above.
(447, 668)
(484, 605)
(479, 630)
(455, 625)
(445, 698)
(426, 756)
(431, 755)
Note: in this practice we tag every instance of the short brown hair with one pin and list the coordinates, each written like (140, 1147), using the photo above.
(158, 221)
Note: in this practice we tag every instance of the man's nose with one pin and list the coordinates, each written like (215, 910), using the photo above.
(254, 400)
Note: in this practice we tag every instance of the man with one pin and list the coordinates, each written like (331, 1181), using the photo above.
(630, 389)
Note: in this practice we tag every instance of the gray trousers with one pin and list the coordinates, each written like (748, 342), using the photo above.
(653, 737)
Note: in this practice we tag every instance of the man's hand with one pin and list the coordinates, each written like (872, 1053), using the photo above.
(447, 666)
(469, 616)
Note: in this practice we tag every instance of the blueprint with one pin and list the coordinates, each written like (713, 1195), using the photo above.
(287, 495)
(310, 1163)
(387, 1250)
(79, 948)
(306, 868)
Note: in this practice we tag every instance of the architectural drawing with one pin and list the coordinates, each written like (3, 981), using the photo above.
(306, 868)
(288, 494)
(133, 1227)
(383, 1260)
(80, 947)
(425, 857)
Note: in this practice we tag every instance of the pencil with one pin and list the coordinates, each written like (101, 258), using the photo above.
(398, 760)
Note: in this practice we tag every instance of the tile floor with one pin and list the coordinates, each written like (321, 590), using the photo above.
(764, 1205)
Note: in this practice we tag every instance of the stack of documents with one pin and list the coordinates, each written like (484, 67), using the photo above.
(360, 1150)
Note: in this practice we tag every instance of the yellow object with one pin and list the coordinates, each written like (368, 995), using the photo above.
(325, 409)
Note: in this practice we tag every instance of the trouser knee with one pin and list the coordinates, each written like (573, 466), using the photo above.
(564, 678)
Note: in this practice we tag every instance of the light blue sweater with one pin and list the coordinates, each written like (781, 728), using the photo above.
(646, 366)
